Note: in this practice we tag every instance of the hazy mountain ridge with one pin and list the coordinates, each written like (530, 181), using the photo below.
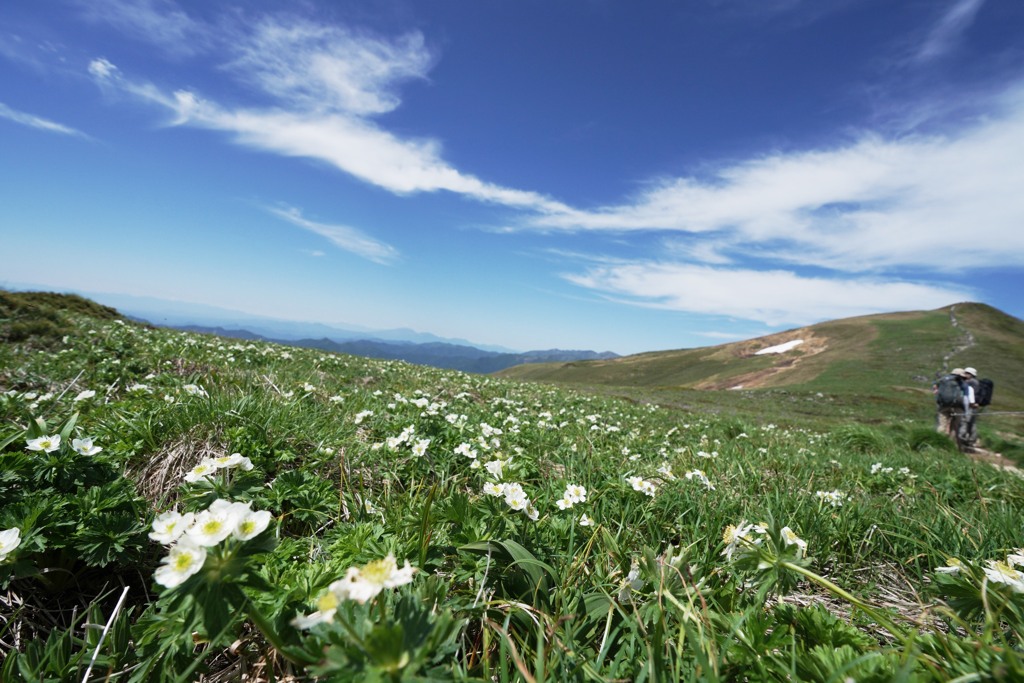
(445, 355)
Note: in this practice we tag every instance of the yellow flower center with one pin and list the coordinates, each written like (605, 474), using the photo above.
(183, 561)
(212, 526)
(327, 601)
(377, 571)
(1007, 571)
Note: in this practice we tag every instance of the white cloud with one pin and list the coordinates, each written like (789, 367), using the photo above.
(102, 68)
(319, 68)
(943, 35)
(775, 297)
(37, 122)
(158, 22)
(341, 236)
(325, 84)
(946, 202)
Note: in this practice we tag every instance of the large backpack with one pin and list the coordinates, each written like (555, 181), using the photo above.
(949, 391)
(983, 394)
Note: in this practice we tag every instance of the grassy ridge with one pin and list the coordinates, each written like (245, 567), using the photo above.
(656, 572)
(873, 369)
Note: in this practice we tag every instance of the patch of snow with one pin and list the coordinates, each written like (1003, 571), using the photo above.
(781, 348)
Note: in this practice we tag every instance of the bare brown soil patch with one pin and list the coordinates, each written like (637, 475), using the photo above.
(812, 345)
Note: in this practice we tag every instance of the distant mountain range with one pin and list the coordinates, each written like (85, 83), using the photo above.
(464, 357)
(394, 344)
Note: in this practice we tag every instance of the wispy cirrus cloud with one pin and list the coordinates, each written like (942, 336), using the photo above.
(342, 236)
(773, 297)
(324, 85)
(870, 205)
(38, 122)
(793, 238)
(942, 36)
(328, 68)
(158, 22)
(857, 211)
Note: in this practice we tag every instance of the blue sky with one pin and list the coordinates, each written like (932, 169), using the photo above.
(624, 176)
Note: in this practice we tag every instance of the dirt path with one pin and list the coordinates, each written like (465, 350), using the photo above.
(967, 338)
(995, 459)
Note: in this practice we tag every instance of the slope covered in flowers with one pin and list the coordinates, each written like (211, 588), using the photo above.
(176, 507)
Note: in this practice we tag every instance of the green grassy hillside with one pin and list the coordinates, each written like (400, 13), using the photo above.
(873, 368)
(183, 507)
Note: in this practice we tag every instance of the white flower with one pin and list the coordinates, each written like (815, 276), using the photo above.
(169, 526)
(702, 478)
(362, 415)
(833, 498)
(489, 431)
(213, 525)
(740, 536)
(575, 493)
(1016, 558)
(419, 449)
(44, 443)
(195, 390)
(252, 524)
(790, 538)
(466, 450)
(514, 487)
(85, 446)
(495, 467)
(954, 565)
(494, 489)
(1000, 572)
(204, 469)
(631, 583)
(363, 584)
(82, 395)
(9, 540)
(532, 513)
(564, 503)
(232, 461)
(184, 559)
(515, 498)
(456, 419)
(327, 605)
(586, 521)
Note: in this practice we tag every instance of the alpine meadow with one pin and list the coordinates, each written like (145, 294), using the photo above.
(183, 507)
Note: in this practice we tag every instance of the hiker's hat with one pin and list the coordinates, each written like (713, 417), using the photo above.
(959, 372)
(971, 371)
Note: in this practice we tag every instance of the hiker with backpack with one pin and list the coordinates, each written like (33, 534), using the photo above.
(949, 395)
(959, 396)
(967, 436)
